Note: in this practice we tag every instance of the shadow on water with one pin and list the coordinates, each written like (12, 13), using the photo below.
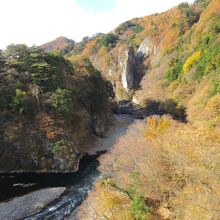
(18, 184)
(80, 183)
(77, 184)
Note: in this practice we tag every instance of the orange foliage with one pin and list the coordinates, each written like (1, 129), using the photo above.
(47, 124)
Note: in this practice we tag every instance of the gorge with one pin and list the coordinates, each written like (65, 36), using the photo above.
(123, 125)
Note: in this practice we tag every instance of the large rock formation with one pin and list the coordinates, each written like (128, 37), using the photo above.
(127, 63)
(47, 114)
(146, 48)
(132, 64)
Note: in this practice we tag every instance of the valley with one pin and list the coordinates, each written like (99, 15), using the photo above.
(122, 125)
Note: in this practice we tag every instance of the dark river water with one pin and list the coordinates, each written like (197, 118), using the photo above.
(78, 185)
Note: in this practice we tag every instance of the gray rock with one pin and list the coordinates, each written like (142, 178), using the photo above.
(23, 206)
(127, 63)
(98, 126)
(146, 48)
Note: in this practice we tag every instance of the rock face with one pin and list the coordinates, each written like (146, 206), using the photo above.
(146, 48)
(132, 64)
(29, 204)
(98, 127)
(127, 64)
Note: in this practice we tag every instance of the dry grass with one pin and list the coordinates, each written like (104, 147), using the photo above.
(192, 157)
(174, 165)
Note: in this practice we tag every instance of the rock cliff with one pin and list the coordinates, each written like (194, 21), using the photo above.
(127, 62)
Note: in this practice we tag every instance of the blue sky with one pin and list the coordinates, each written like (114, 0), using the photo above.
(39, 21)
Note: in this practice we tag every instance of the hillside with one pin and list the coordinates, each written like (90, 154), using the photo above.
(162, 56)
(48, 111)
(163, 71)
(167, 166)
(60, 45)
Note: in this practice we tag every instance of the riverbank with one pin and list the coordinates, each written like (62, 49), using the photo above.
(82, 181)
(29, 204)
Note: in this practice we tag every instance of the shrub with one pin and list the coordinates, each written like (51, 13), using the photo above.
(2, 59)
(183, 5)
(215, 86)
(62, 101)
(175, 70)
(156, 126)
(97, 92)
(210, 61)
(23, 103)
(19, 101)
(107, 40)
(59, 147)
(192, 155)
(191, 61)
(5, 96)
(138, 29)
(204, 3)
(138, 207)
(112, 204)
(190, 16)
(123, 27)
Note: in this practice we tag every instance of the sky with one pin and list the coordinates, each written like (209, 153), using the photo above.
(35, 22)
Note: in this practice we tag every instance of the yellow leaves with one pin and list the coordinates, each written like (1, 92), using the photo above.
(213, 106)
(192, 154)
(107, 182)
(112, 204)
(156, 126)
(23, 93)
(102, 51)
(47, 125)
(193, 59)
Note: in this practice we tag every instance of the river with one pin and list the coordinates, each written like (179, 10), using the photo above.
(20, 193)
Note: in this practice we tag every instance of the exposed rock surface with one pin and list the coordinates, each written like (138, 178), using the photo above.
(132, 64)
(29, 204)
(28, 149)
(119, 127)
(98, 127)
(146, 48)
(127, 64)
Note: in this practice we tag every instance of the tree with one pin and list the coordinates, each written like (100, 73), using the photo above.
(62, 100)
(23, 103)
(97, 92)
(107, 40)
(14, 51)
(2, 59)
(174, 70)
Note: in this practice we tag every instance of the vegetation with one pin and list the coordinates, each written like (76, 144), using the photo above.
(166, 167)
(62, 101)
(59, 146)
(139, 208)
(191, 61)
(109, 40)
(19, 103)
(176, 66)
(47, 104)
